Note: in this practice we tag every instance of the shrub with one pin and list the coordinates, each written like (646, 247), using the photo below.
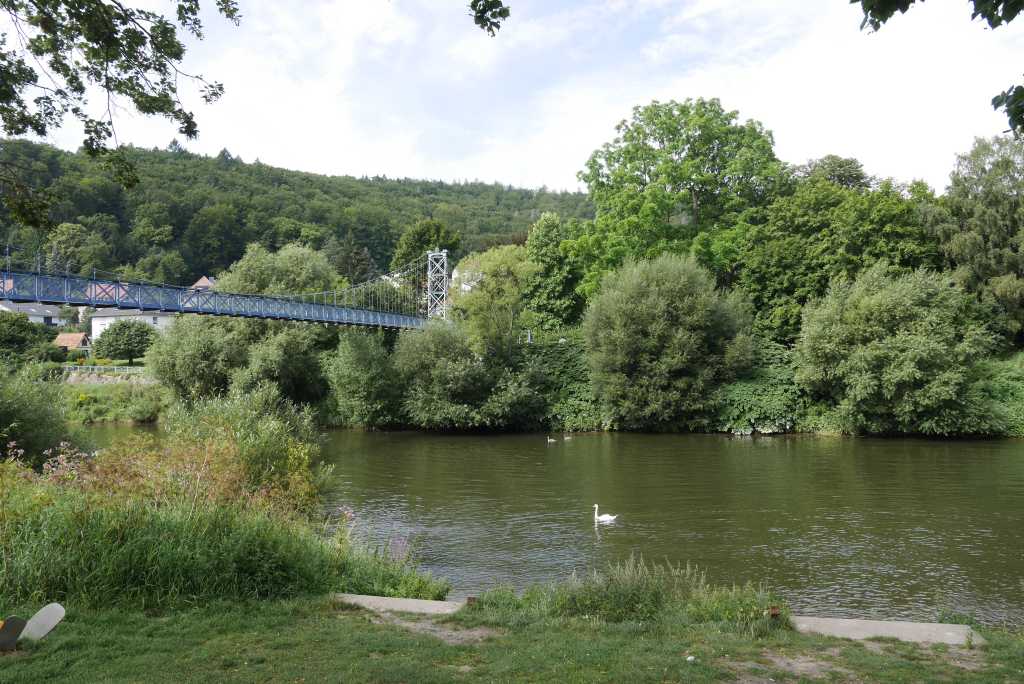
(450, 386)
(31, 416)
(898, 354)
(288, 359)
(560, 361)
(137, 403)
(660, 339)
(77, 355)
(766, 400)
(364, 384)
(196, 357)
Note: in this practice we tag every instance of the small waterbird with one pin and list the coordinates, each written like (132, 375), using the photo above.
(566, 437)
(551, 440)
(603, 518)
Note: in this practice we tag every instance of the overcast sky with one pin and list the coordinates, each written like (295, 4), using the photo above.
(413, 88)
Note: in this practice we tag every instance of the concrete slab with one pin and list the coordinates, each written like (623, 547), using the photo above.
(400, 605)
(918, 632)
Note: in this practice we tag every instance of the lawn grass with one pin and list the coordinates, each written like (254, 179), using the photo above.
(314, 639)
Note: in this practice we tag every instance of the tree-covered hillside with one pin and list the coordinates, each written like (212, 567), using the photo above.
(191, 215)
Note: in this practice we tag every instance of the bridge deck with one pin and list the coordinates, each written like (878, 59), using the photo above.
(77, 290)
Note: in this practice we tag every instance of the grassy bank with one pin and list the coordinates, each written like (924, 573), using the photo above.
(316, 640)
(116, 402)
(227, 509)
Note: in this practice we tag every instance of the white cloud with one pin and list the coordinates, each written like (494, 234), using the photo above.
(412, 88)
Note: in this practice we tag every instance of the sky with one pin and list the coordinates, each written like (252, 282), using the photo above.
(412, 88)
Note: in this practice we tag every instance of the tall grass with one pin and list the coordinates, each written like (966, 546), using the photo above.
(225, 508)
(636, 591)
(31, 416)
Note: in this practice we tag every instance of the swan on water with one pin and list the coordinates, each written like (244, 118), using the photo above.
(551, 440)
(566, 437)
(603, 518)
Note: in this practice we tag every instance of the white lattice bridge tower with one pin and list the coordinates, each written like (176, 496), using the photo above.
(437, 284)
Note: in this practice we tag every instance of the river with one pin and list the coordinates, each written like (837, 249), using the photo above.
(844, 527)
(897, 529)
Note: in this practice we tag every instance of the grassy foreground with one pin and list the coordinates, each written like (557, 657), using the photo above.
(317, 640)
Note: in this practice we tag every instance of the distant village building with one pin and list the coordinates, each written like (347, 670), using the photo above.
(72, 341)
(104, 318)
(37, 313)
(204, 283)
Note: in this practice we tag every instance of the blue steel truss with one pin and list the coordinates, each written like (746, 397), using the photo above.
(77, 290)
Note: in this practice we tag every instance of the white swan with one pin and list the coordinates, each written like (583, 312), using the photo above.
(603, 518)
(567, 437)
(551, 440)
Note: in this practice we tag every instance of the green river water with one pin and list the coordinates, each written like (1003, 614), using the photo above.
(898, 529)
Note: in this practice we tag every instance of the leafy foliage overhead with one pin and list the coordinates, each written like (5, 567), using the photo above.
(996, 13)
(59, 50)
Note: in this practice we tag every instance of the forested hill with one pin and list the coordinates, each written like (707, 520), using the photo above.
(191, 215)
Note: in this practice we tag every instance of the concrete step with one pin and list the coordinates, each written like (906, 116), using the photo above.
(400, 605)
(917, 632)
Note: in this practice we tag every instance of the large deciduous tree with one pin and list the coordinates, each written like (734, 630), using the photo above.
(551, 291)
(823, 231)
(674, 170)
(125, 339)
(495, 300)
(982, 226)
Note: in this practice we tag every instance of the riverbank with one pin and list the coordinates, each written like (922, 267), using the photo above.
(316, 639)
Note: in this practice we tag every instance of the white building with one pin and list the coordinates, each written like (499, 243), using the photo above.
(37, 313)
(104, 318)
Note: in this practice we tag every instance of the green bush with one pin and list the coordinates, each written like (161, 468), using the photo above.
(364, 384)
(77, 355)
(115, 402)
(660, 339)
(289, 359)
(899, 354)
(766, 400)
(1004, 386)
(196, 357)
(560, 361)
(448, 385)
(31, 416)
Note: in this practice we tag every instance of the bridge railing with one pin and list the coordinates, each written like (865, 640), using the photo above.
(83, 291)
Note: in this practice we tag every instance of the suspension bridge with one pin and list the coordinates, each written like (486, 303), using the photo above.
(404, 299)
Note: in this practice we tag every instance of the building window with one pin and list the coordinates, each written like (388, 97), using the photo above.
(48, 320)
